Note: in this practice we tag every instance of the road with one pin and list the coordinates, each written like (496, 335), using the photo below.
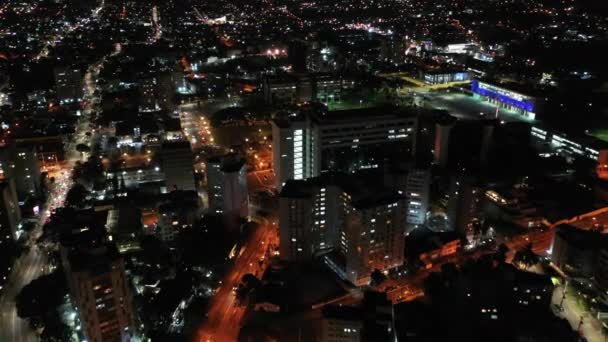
(51, 42)
(158, 30)
(28, 267)
(224, 316)
(410, 287)
(34, 263)
(591, 328)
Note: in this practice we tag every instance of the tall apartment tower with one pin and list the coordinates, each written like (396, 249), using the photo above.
(362, 226)
(148, 95)
(443, 129)
(98, 286)
(417, 190)
(464, 204)
(10, 215)
(373, 236)
(21, 164)
(310, 215)
(227, 185)
(306, 145)
(295, 152)
(178, 165)
(69, 84)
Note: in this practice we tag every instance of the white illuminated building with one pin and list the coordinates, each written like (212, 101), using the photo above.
(361, 225)
(304, 146)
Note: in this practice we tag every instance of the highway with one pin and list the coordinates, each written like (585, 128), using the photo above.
(224, 316)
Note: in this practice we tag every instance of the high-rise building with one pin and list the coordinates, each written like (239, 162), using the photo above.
(166, 89)
(21, 164)
(465, 204)
(443, 129)
(148, 95)
(417, 190)
(574, 250)
(363, 225)
(178, 165)
(98, 286)
(373, 236)
(227, 185)
(295, 152)
(69, 84)
(10, 216)
(305, 145)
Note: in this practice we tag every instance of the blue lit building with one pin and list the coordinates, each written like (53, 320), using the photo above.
(523, 104)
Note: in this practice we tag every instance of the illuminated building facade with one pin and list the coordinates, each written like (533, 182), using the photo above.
(417, 190)
(227, 185)
(148, 94)
(69, 85)
(22, 165)
(584, 146)
(433, 78)
(98, 286)
(363, 226)
(523, 104)
(465, 204)
(346, 141)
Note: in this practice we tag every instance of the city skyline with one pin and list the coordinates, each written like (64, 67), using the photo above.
(283, 170)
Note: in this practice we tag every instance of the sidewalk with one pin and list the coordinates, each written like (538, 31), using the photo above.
(591, 328)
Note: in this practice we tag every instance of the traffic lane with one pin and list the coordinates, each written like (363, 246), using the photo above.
(224, 317)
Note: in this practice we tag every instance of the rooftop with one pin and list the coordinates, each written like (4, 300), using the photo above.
(364, 194)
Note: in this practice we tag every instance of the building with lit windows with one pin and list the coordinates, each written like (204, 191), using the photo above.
(506, 98)
(323, 87)
(465, 204)
(98, 286)
(69, 85)
(372, 320)
(10, 215)
(20, 163)
(329, 88)
(568, 146)
(417, 190)
(361, 226)
(227, 185)
(294, 149)
(306, 145)
(148, 95)
(434, 77)
(287, 89)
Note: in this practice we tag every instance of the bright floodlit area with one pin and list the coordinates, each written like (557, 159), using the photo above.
(465, 106)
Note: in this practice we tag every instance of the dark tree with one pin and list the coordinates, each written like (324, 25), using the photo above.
(76, 196)
(526, 256)
(39, 301)
(82, 148)
(377, 278)
(501, 253)
(55, 330)
(250, 281)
